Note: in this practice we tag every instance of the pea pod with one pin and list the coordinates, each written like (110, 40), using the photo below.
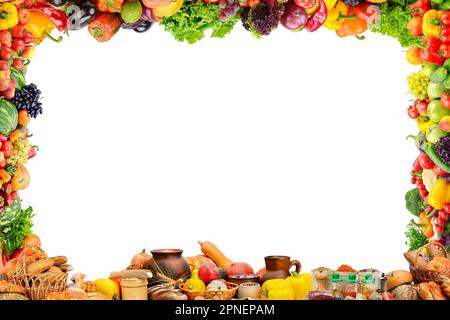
(430, 150)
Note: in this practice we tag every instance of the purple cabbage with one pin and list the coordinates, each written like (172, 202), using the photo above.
(443, 149)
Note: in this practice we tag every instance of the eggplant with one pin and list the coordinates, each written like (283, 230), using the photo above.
(80, 15)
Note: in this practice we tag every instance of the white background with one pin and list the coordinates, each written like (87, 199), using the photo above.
(294, 144)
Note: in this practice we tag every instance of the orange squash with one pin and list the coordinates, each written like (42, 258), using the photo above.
(211, 251)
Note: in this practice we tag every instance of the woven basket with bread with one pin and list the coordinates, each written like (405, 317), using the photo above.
(38, 274)
(429, 263)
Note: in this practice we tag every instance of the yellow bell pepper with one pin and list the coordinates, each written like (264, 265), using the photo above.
(9, 16)
(301, 283)
(432, 25)
(424, 125)
(278, 289)
(439, 194)
(336, 16)
(40, 26)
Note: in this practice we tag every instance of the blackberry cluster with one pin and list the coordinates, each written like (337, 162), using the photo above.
(29, 99)
(443, 148)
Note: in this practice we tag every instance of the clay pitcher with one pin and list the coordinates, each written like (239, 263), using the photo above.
(168, 263)
(277, 267)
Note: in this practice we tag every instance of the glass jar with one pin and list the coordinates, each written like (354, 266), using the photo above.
(351, 286)
(134, 289)
(336, 286)
(367, 286)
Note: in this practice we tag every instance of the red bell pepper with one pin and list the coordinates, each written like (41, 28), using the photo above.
(432, 51)
(58, 17)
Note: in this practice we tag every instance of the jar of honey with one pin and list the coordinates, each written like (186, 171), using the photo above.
(134, 289)
(367, 285)
(351, 286)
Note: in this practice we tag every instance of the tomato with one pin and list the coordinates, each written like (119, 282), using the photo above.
(422, 107)
(445, 99)
(413, 113)
(21, 178)
(413, 55)
(426, 162)
(439, 172)
(415, 26)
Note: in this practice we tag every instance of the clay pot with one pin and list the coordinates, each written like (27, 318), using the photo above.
(277, 267)
(170, 263)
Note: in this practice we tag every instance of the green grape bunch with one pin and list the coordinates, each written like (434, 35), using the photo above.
(20, 155)
(418, 84)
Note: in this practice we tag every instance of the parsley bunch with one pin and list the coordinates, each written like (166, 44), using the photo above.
(15, 225)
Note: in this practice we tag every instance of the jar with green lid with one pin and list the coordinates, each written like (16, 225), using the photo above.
(336, 286)
(367, 285)
(351, 286)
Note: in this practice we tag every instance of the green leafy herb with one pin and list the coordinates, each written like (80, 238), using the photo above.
(19, 77)
(394, 22)
(414, 202)
(15, 225)
(194, 18)
(415, 237)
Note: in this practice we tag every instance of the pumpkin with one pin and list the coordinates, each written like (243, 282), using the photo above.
(198, 261)
(9, 117)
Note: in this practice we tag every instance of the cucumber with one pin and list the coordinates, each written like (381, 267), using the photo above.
(430, 150)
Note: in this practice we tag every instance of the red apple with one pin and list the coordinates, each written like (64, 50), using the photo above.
(208, 273)
(240, 268)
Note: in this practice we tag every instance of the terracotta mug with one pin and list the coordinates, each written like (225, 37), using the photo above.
(277, 267)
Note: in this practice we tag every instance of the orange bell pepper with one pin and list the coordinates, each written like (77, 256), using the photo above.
(425, 225)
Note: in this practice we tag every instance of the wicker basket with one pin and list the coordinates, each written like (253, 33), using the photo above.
(420, 275)
(211, 295)
(39, 286)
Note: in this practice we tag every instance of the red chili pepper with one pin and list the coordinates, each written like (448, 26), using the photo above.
(431, 53)
(318, 18)
(58, 17)
(32, 152)
(420, 7)
(5, 260)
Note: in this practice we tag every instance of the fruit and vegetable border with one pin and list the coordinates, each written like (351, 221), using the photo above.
(421, 26)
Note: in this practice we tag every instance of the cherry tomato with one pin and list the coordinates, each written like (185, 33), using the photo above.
(18, 64)
(446, 207)
(445, 35)
(18, 31)
(422, 107)
(444, 50)
(7, 53)
(425, 161)
(440, 229)
(413, 113)
(18, 45)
